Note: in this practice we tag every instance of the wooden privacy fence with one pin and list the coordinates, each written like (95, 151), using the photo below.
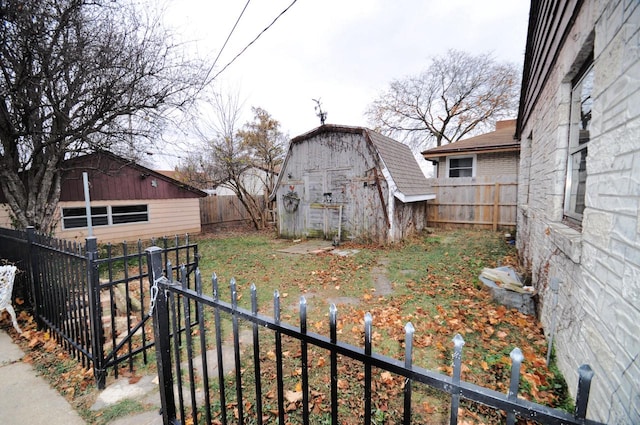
(222, 211)
(218, 210)
(480, 202)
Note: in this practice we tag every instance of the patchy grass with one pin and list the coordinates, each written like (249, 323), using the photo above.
(434, 286)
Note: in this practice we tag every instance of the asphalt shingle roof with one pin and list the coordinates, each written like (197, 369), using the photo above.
(397, 157)
(401, 163)
(499, 140)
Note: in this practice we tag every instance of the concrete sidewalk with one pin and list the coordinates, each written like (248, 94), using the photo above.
(25, 397)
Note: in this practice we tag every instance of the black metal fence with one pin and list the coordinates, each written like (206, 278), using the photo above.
(192, 392)
(93, 299)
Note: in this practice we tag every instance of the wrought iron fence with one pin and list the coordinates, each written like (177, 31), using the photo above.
(190, 395)
(92, 298)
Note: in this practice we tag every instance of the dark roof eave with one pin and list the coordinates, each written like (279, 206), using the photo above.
(509, 148)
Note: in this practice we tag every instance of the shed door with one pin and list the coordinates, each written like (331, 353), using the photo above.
(324, 203)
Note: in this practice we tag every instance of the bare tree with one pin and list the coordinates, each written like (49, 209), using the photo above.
(245, 161)
(79, 76)
(457, 94)
(265, 144)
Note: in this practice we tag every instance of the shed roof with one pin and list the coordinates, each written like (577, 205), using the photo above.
(499, 140)
(403, 169)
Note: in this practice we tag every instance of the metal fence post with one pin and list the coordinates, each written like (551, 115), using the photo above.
(161, 331)
(95, 311)
(34, 278)
(584, 387)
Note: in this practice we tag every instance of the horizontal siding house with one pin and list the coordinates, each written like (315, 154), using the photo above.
(476, 180)
(496, 153)
(350, 183)
(128, 201)
(579, 192)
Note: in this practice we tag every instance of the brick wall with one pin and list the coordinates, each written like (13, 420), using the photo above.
(598, 310)
(499, 163)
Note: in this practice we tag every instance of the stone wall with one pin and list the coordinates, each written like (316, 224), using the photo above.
(598, 264)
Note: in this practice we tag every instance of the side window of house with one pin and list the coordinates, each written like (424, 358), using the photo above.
(129, 214)
(73, 218)
(581, 106)
(460, 167)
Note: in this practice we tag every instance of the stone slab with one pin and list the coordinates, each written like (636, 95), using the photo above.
(28, 399)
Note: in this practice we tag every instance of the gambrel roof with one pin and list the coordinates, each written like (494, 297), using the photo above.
(401, 169)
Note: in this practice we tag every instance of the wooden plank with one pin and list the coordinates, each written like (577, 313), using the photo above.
(496, 203)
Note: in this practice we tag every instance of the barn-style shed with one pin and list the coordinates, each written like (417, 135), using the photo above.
(341, 182)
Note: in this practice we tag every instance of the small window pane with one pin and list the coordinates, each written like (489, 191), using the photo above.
(461, 167)
(124, 209)
(74, 212)
(72, 223)
(461, 163)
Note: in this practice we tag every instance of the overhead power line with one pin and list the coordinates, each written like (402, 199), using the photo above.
(252, 41)
(227, 40)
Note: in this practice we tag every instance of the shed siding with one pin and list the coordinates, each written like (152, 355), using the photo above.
(167, 217)
(598, 307)
(340, 164)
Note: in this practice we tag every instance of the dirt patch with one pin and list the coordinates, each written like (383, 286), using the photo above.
(312, 246)
(380, 277)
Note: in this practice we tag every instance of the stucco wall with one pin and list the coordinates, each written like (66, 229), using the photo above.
(598, 310)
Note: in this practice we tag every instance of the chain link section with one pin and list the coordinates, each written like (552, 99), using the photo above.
(154, 295)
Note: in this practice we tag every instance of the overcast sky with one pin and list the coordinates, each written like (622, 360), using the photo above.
(344, 52)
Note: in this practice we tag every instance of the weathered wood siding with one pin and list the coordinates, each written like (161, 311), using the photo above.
(478, 202)
(167, 217)
(339, 164)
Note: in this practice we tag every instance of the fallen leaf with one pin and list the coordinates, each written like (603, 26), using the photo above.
(293, 396)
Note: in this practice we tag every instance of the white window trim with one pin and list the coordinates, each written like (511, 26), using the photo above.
(573, 149)
(473, 165)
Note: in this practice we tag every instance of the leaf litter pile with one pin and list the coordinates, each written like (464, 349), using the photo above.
(435, 286)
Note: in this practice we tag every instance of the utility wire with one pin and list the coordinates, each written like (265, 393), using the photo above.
(227, 40)
(252, 41)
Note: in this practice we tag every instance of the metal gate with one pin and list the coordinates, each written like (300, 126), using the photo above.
(196, 393)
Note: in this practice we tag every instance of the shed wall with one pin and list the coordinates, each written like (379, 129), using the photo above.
(340, 164)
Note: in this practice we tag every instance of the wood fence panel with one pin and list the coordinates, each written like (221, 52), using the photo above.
(481, 202)
(222, 211)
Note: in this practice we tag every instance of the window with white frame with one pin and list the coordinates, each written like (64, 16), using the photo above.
(76, 217)
(580, 120)
(461, 166)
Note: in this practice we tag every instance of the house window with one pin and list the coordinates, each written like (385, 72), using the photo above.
(74, 218)
(580, 120)
(129, 214)
(461, 166)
